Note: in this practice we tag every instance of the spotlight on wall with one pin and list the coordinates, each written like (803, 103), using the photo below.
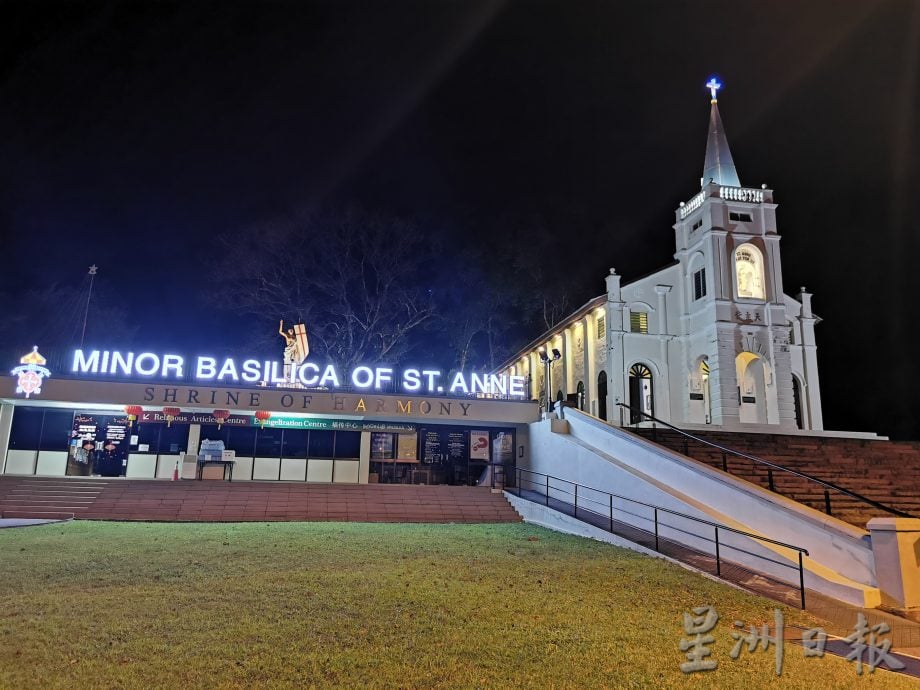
(543, 357)
(556, 354)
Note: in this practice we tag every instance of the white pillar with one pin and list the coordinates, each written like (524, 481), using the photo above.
(6, 424)
(723, 275)
(194, 439)
(535, 373)
(615, 341)
(723, 379)
(568, 367)
(895, 545)
(188, 463)
(588, 329)
(812, 389)
(662, 383)
(364, 457)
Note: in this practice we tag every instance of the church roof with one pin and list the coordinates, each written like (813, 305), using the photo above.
(719, 166)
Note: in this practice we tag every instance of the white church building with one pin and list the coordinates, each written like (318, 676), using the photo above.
(711, 339)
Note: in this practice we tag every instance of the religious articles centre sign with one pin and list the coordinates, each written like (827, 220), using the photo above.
(247, 420)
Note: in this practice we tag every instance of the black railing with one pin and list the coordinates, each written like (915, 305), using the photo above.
(618, 515)
(771, 466)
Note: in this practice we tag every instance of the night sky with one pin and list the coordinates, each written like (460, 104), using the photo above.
(133, 135)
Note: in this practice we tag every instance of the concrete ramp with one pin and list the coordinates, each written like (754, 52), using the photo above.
(591, 453)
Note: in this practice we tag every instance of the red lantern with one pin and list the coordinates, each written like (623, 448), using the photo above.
(221, 416)
(171, 413)
(133, 412)
(263, 416)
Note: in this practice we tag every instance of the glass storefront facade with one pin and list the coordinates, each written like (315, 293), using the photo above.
(440, 454)
(88, 442)
(295, 454)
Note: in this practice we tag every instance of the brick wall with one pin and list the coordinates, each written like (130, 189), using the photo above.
(885, 471)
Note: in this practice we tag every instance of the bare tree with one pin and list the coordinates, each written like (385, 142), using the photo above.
(352, 278)
(555, 308)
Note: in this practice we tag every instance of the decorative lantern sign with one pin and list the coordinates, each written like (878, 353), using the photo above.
(221, 416)
(171, 413)
(263, 416)
(133, 412)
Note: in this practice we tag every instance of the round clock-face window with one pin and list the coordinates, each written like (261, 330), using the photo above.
(749, 272)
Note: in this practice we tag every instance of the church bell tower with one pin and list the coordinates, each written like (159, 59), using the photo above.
(736, 340)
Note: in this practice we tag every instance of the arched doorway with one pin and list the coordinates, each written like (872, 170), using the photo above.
(752, 390)
(602, 395)
(580, 395)
(641, 400)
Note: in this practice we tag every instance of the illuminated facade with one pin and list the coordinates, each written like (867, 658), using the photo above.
(146, 415)
(711, 339)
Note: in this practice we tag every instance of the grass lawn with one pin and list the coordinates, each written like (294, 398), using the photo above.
(328, 604)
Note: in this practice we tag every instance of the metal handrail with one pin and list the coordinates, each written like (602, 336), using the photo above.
(668, 510)
(773, 466)
(519, 479)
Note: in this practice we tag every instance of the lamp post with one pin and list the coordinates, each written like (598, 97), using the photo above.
(547, 375)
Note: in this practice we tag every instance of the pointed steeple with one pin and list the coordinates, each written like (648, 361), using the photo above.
(719, 166)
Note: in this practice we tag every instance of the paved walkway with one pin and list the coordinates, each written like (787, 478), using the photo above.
(841, 619)
(23, 522)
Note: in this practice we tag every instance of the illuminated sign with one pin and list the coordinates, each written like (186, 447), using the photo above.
(31, 372)
(304, 375)
(248, 420)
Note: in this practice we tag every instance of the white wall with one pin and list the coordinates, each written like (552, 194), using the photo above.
(319, 470)
(21, 461)
(141, 466)
(347, 472)
(242, 469)
(293, 469)
(266, 468)
(51, 463)
(165, 466)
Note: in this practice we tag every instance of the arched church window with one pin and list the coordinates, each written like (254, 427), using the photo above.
(749, 272)
(580, 392)
(797, 403)
(641, 402)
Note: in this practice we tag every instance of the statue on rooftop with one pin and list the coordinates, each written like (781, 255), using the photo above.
(296, 346)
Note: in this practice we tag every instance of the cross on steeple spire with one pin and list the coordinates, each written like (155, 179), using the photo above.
(713, 85)
(719, 166)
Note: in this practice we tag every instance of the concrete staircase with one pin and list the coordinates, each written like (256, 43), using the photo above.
(217, 501)
(54, 499)
(885, 471)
